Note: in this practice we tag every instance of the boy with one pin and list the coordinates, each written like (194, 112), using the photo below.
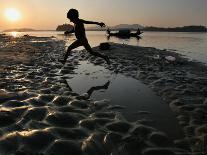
(80, 34)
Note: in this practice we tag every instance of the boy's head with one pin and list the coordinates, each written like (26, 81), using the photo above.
(73, 14)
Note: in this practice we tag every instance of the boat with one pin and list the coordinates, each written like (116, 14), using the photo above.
(124, 33)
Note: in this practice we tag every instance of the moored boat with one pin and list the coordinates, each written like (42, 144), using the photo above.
(125, 33)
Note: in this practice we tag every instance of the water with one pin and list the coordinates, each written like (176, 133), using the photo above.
(127, 92)
(192, 45)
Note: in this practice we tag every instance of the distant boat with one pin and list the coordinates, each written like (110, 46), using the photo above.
(125, 33)
(69, 32)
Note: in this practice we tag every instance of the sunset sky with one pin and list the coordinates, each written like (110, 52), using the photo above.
(47, 14)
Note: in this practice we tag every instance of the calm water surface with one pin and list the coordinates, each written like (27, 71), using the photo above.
(139, 101)
(192, 45)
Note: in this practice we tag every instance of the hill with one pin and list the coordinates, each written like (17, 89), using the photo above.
(65, 27)
(116, 27)
(127, 26)
(177, 29)
(20, 30)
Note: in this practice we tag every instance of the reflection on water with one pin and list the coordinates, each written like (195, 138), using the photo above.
(96, 88)
(38, 41)
(193, 45)
(14, 34)
(126, 92)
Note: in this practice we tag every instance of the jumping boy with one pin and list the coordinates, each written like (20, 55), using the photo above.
(80, 34)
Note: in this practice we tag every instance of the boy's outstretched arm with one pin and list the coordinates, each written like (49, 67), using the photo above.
(91, 22)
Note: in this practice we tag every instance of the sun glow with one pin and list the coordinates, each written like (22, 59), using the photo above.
(12, 14)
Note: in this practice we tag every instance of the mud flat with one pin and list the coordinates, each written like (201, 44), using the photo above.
(40, 114)
(180, 82)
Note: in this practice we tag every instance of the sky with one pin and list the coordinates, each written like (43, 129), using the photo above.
(47, 14)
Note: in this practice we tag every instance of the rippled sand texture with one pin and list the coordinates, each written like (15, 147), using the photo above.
(39, 114)
(181, 83)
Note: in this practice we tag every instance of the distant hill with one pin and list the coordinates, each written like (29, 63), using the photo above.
(177, 29)
(23, 30)
(127, 26)
(20, 30)
(65, 27)
(117, 27)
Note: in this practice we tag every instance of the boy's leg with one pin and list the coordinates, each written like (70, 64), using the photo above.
(90, 50)
(74, 45)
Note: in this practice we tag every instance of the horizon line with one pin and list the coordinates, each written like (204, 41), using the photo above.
(33, 29)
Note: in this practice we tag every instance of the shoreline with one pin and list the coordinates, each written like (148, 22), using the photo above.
(44, 106)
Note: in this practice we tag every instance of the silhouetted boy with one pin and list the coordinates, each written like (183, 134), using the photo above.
(80, 34)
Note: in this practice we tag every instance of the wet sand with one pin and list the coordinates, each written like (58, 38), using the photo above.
(40, 114)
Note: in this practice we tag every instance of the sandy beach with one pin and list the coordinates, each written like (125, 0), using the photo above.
(39, 113)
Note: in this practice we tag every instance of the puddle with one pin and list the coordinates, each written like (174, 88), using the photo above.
(139, 101)
(38, 41)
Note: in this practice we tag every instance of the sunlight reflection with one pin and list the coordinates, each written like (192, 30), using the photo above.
(14, 34)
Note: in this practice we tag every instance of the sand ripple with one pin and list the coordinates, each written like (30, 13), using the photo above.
(40, 114)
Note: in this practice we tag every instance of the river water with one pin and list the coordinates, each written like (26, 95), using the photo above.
(192, 45)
